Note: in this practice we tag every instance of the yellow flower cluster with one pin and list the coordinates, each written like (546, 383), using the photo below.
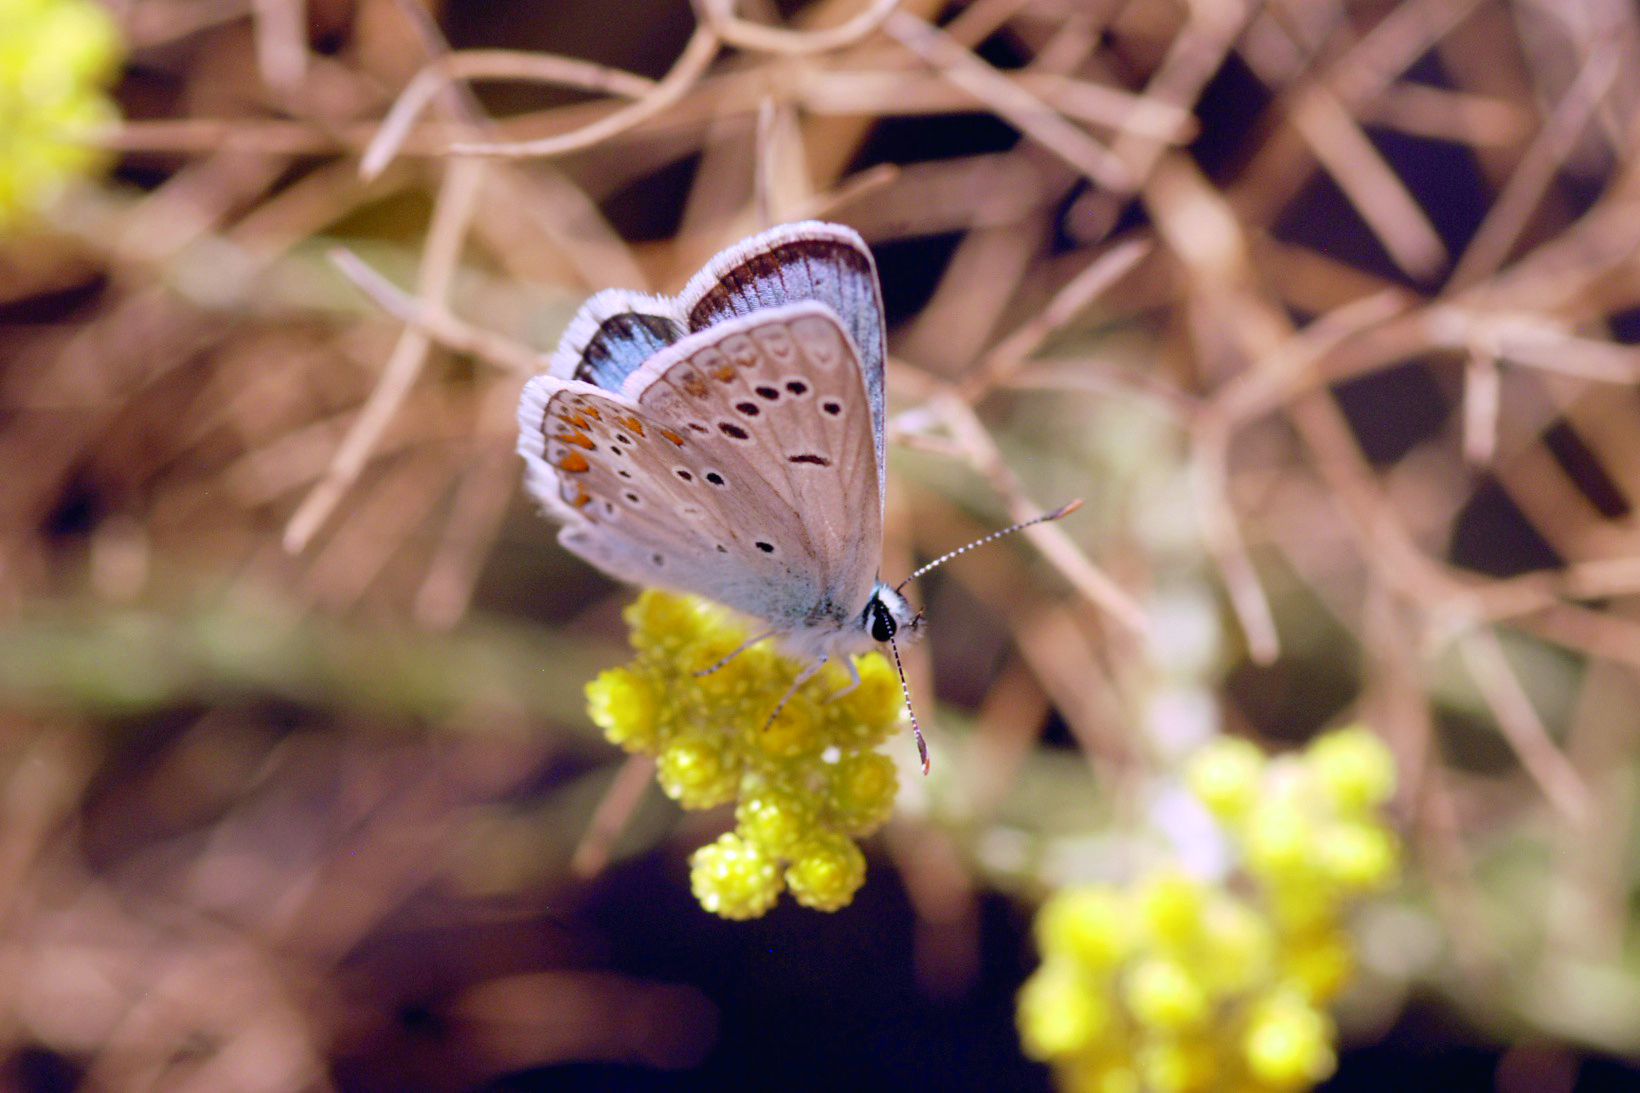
(806, 785)
(55, 58)
(1175, 984)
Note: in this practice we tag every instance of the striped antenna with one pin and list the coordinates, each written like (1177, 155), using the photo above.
(1062, 510)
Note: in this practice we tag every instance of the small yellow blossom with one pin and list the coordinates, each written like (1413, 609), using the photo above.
(1089, 925)
(806, 782)
(1162, 993)
(56, 56)
(1225, 776)
(1353, 768)
(1288, 1044)
(1058, 1015)
(826, 871)
(734, 879)
(1174, 984)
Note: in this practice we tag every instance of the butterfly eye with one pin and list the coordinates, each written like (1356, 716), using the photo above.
(882, 620)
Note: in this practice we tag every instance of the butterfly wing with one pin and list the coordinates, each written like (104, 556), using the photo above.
(809, 260)
(738, 463)
(613, 333)
(629, 506)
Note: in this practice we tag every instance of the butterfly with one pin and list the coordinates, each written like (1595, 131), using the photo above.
(728, 441)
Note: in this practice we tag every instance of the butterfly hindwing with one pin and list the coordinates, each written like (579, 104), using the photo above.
(633, 503)
(612, 334)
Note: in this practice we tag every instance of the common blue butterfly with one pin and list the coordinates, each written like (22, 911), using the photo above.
(728, 442)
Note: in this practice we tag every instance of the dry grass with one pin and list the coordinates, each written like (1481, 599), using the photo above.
(293, 676)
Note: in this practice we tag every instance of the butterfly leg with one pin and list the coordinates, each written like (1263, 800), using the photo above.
(739, 649)
(802, 677)
(853, 680)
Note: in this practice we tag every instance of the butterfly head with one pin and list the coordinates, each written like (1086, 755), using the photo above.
(889, 616)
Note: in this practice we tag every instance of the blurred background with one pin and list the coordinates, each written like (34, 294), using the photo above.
(1326, 307)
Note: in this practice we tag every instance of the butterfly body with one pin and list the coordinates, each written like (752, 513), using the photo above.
(728, 442)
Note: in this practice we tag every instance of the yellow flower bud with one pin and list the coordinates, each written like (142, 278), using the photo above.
(826, 872)
(1357, 856)
(861, 791)
(1288, 1045)
(1169, 907)
(1163, 994)
(1225, 776)
(1058, 1014)
(1318, 964)
(776, 821)
(622, 704)
(1353, 768)
(55, 57)
(697, 773)
(1177, 1066)
(1238, 946)
(1092, 926)
(732, 879)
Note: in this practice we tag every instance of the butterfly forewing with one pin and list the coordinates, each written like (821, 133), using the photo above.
(782, 389)
(811, 260)
(737, 463)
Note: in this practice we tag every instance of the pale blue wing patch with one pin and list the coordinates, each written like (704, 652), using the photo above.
(612, 334)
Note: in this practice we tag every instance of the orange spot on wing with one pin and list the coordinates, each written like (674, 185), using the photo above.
(632, 423)
(673, 437)
(576, 420)
(692, 385)
(579, 439)
(725, 373)
(574, 463)
(582, 499)
(592, 412)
